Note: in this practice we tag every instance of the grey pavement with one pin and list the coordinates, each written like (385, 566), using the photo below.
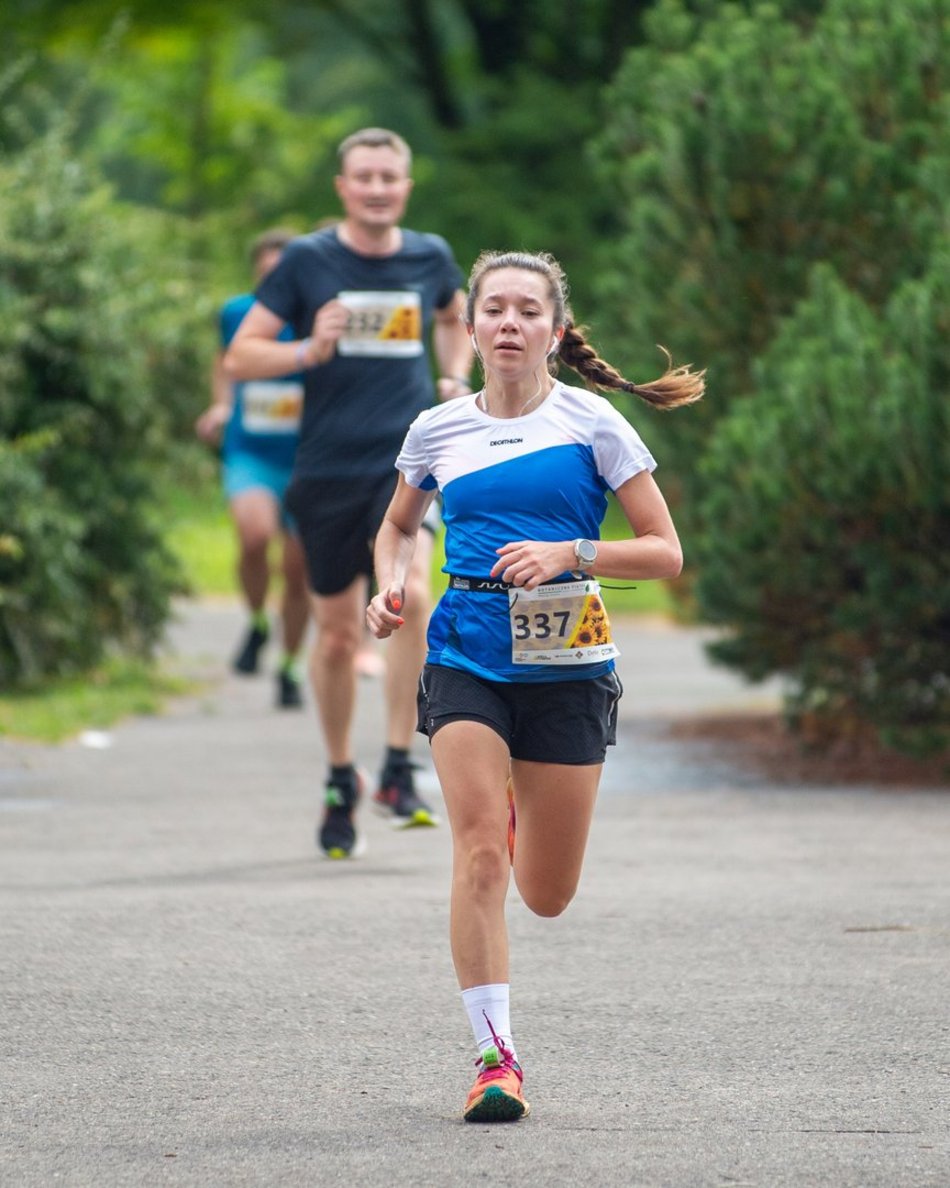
(751, 987)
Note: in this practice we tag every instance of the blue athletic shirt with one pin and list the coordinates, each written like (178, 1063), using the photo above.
(360, 403)
(543, 476)
(265, 418)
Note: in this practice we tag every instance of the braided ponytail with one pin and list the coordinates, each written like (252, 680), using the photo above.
(675, 387)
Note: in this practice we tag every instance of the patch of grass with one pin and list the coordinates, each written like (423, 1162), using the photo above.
(207, 550)
(633, 598)
(198, 526)
(61, 708)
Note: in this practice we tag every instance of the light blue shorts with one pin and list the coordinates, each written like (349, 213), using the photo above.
(245, 472)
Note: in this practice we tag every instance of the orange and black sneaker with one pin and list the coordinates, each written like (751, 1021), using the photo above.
(496, 1095)
(397, 799)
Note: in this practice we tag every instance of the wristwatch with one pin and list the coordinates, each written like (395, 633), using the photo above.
(586, 553)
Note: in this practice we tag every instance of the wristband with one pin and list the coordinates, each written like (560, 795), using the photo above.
(302, 347)
(459, 379)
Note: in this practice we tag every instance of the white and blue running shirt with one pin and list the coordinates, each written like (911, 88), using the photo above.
(543, 476)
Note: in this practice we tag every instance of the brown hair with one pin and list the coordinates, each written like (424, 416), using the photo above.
(276, 239)
(374, 138)
(676, 386)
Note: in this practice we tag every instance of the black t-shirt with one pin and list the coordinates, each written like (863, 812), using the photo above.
(360, 403)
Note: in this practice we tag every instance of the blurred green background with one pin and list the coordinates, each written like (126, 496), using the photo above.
(762, 188)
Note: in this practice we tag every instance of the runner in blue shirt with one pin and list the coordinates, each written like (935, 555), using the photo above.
(260, 424)
(519, 694)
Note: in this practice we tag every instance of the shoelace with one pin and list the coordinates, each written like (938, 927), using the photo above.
(506, 1058)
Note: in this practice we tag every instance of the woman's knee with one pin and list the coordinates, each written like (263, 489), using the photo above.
(545, 900)
(484, 867)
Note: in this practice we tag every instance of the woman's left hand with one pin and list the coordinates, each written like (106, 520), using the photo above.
(530, 563)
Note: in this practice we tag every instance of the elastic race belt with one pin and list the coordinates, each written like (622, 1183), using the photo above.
(478, 585)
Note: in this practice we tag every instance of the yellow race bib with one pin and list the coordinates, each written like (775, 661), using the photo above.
(382, 324)
(565, 623)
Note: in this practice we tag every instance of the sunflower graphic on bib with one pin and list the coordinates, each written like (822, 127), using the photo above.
(560, 623)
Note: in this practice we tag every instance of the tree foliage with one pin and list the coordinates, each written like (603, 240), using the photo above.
(745, 147)
(93, 338)
(231, 113)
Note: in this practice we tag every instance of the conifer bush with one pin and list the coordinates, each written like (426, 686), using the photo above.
(784, 179)
(825, 548)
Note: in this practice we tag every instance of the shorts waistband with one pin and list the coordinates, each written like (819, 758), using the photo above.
(478, 585)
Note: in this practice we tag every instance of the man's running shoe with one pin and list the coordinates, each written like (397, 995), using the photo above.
(511, 821)
(497, 1094)
(396, 798)
(247, 659)
(289, 692)
(337, 834)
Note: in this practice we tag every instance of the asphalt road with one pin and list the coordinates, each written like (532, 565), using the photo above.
(750, 989)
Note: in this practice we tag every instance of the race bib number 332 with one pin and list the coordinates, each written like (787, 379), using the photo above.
(565, 623)
(382, 324)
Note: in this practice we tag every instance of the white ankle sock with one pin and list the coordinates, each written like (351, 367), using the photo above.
(493, 1001)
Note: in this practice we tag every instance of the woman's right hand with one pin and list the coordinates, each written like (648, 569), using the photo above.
(382, 614)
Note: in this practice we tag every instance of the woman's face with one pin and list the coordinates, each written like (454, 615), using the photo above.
(514, 322)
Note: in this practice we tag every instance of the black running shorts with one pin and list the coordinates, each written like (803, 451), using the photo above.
(570, 722)
(337, 521)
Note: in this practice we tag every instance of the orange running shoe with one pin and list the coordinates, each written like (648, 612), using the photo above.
(511, 821)
(496, 1095)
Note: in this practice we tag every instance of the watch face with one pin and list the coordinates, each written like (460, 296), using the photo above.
(586, 552)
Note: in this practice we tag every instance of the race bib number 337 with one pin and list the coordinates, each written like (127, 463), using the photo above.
(565, 623)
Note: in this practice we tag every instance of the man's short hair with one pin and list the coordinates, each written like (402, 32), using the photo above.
(375, 138)
(276, 239)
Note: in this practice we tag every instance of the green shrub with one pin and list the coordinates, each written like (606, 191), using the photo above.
(825, 546)
(89, 376)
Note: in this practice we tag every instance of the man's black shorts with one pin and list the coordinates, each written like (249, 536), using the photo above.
(337, 520)
(571, 722)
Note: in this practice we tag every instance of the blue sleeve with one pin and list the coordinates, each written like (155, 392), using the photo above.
(232, 315)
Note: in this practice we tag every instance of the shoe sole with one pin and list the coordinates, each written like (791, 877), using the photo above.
(337, 853)
(497, 1106)
(421, 818)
